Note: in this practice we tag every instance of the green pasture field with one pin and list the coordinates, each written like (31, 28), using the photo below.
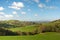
(24, 29)
(42, 36)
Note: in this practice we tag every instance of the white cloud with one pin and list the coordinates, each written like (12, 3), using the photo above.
(1, 17)
(2, 13)
(46, 7)
(51, 7)
(37, 1)
(1, 8)
(4, 16)
(8, 16)
(36, 15)
(41, 5)
(17, 5)
(14, 12)
(23, 13)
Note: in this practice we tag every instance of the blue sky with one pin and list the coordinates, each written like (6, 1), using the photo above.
(30, 10)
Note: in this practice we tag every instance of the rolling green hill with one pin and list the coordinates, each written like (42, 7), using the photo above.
(15, 23)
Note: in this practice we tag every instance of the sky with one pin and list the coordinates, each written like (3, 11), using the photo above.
(30, 10)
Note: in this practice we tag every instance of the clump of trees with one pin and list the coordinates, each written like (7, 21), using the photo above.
(5, 32)
(49, 27)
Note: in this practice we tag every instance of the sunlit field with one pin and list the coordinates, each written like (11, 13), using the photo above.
(24, 29)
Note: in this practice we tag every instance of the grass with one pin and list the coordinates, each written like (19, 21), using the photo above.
(24, 29)
(42, 36)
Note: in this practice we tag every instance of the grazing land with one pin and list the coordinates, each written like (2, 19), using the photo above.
(24, 29)
(16, 30)
(42, 36)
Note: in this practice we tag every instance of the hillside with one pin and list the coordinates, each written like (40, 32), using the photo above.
(29, 28)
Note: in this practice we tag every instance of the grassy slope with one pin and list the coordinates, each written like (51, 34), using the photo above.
(24, 29)
(45, 36)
